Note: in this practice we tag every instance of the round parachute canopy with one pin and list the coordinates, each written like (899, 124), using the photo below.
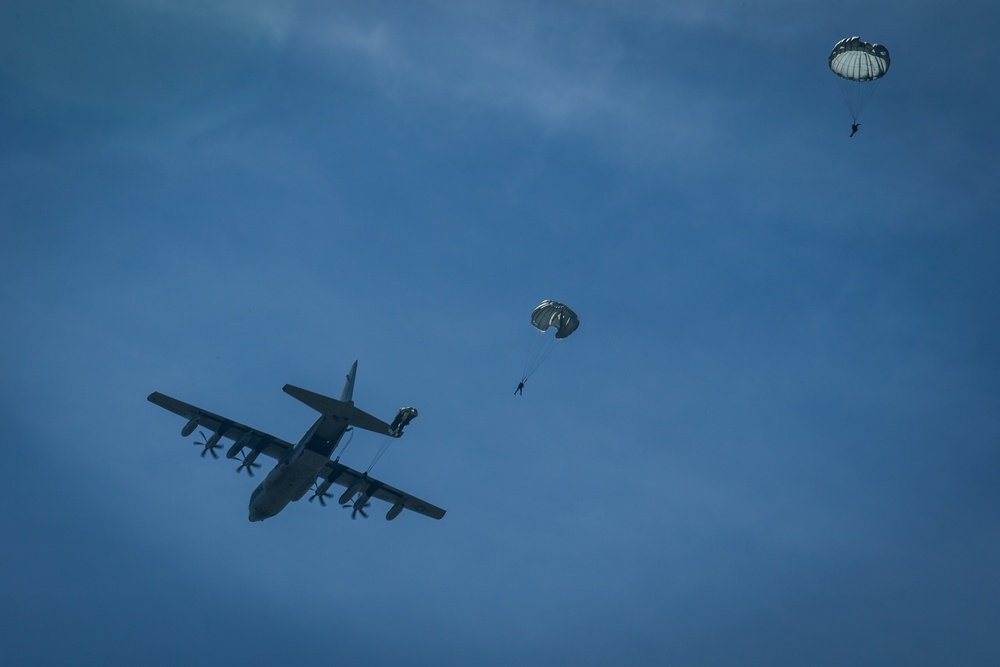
(855, 60)
(548, 315)
(858, 64)
(554, 314)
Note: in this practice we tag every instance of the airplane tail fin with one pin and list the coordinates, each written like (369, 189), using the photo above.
(348, 393)
(343, 409)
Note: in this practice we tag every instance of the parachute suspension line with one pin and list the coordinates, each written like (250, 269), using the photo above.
(537, 353)
(381, 450)
(865, 94)
(857, 94)
(344, 448)
(854, 118)
(547, 348)
(849, 92)
(530, 356)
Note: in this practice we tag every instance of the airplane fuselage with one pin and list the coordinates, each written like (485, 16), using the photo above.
(295, 474)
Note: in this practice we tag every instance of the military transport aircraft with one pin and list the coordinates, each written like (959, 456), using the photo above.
(306, 465)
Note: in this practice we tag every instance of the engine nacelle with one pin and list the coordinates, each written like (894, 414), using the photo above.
(238, 446)
(394, 511)
(351, 490)
(324, 487)
(189, 428)
(251, 458)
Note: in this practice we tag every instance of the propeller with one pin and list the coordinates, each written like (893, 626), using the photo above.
(321, 495)
(355, 510)
(245, 465)
(209, 446)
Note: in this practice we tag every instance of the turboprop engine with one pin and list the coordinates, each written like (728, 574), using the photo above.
(247, 461)
(238, 446)
(346, 496)
(320, 492)
(394, 511)
(189, 428)
(209, 444)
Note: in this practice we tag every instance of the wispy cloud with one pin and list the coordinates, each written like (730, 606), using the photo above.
(120, 58)
(562, 70)
(256, 19)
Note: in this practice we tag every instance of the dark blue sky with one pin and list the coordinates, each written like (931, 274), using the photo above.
(773, 440)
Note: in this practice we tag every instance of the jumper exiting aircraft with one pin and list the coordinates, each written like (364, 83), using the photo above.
(306, 465)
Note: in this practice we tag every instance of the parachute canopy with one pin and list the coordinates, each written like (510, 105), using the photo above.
(858, 64)
(546, 315)
(554, 314)
(855, 60)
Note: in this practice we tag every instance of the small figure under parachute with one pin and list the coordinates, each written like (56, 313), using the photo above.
(859, 66)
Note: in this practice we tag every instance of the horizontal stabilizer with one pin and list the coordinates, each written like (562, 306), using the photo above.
(345, 411)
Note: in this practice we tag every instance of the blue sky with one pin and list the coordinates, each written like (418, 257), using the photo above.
(773, 439)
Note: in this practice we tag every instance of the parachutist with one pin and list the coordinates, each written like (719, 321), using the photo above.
(858, 66)
(545, 316)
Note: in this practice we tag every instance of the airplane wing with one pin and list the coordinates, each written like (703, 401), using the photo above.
(340, 474)
(252, 438)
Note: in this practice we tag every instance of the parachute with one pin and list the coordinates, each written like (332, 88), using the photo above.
(548, 315)
(554, 314)
(859, 65)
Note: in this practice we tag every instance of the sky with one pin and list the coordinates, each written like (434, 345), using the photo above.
(773, 439)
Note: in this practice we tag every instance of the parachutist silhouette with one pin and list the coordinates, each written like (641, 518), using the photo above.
(547, 315)
(858, 66)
